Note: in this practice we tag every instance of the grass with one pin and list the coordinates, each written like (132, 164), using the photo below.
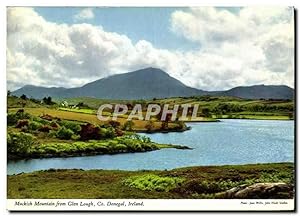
(15, 102)
(185, 183)
(151, 182)
(125, 144)
(139, 125)
(94, 103)
(86, 111)
(282, 108)
(73, 116)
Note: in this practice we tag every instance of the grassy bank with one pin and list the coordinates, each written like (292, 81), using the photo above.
(30, 136)
(190, 182)
(125, 144)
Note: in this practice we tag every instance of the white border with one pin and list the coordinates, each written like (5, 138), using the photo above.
(116, 3)
(152, 205)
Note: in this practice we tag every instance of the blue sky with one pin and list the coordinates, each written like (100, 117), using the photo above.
(204, 47)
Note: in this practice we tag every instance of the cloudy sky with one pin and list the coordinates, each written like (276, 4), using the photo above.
(205, 47)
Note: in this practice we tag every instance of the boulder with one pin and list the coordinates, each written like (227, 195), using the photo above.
(259, 191)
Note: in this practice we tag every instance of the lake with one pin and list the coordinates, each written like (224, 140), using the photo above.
(217, 143)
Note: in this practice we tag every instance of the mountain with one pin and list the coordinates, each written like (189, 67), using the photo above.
(261, 91)
(149, 83)
(141, 84)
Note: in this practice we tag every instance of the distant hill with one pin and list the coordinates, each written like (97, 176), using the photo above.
(261, 91)
(149, 83)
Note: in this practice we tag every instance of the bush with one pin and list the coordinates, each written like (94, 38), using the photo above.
(22, 123)
(64, 133)
(119, 132)
(152, 182)
(114, 124)
(128, 125)
(121, 147)
(54, 125)
(107, 132)
(75, 127)
(150, 126)
(40, 120)
(89, 132)
(34, 125)
(13, 118)
(19, 143)
(45, 128)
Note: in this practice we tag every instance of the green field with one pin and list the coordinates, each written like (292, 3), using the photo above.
(183, 183)
(217, 107)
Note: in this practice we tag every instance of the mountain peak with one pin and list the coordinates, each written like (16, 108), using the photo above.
(151, 70)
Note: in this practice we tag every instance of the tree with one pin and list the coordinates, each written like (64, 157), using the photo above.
(206, 112)
(47, 100)
(128, 125)
(8, 93)
(24, 97)
(19, 143)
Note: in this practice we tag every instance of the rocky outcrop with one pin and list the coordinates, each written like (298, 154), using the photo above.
(259, 191)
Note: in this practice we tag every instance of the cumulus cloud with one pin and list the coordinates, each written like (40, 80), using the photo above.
(253, 46)
(84, 14)
(259, 41)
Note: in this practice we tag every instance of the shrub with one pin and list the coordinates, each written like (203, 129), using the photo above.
(34, 125)
(107, 132)
(150, 126)
(153, 182)
(121, 147)
(52, 133)
(22, 123)
(89, 131)
(13, 118)
(54, 125)
(64, 133)
(47, 117)
(114, 124)
(128, 125)
(110, 133)
(19, 143)
(119, 132)
(24, 129)
(24, 97)
(40, 120)
(75, 127)
(45, 128)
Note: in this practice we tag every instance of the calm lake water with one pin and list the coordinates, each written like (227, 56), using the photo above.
(225, 142)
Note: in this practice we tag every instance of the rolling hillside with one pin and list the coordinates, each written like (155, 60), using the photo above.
(150, 83)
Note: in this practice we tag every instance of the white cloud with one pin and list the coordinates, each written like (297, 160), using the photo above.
(251, 47)
(258, 40)
(84, 14)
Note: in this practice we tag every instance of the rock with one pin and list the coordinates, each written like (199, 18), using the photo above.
(259, 191)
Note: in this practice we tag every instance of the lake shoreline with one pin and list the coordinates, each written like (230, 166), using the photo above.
(157, 146)
(193, 182)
